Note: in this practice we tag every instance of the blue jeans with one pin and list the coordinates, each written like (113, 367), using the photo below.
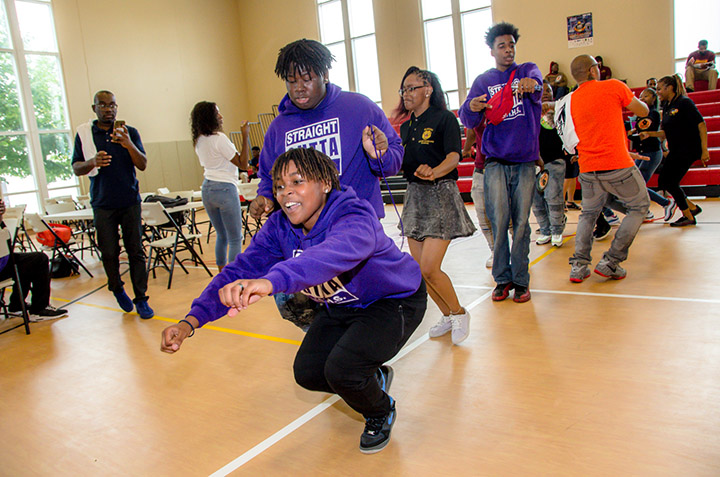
(647, 169)
(549, 207)
(509, 194)
(624, 190)
(477, 192)
(222, 203)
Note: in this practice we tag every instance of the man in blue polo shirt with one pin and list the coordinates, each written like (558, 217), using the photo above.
(109, 155)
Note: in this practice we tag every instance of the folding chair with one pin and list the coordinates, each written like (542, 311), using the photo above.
(265, 120)
(6, 251)
(163, 191)
(248, 192)
(39, 225)
(166, 244)
(21, 236)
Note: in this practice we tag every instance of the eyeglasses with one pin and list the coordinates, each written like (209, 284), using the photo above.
(410, 89)
(106, 106)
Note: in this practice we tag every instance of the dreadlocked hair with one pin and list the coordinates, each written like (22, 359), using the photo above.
(204, 120)
(303, 55)
(312, 164)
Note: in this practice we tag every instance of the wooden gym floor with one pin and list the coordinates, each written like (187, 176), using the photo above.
(603, 378)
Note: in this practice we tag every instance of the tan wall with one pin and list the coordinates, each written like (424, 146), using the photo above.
(159, 57)
(635, 38)
(265, 27)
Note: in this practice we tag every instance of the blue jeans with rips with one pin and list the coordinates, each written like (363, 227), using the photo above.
(222, 203)
(509, 191)
(549, 207)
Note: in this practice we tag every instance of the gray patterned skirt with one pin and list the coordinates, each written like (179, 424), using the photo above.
(435, 211)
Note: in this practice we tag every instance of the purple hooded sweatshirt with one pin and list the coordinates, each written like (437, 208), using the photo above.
(345, 260)
(335, 128)
(515, 139)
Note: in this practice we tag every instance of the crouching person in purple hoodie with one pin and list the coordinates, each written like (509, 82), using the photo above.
(330, 246)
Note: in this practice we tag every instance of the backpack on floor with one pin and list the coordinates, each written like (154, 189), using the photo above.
(61, 267)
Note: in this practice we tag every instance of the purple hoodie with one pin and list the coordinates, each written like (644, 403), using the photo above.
(345, 260)
(515, 139)
(335, 128)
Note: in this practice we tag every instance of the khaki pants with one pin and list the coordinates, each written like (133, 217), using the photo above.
(692, 73)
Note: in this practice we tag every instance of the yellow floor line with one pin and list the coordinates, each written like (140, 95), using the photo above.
(552, 249)
(206, 327)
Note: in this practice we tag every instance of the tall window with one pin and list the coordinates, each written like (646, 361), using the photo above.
(35, 141)
(695, 20)
(455, 43)
(347, 28)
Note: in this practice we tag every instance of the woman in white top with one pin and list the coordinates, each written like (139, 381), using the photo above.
(221, 162)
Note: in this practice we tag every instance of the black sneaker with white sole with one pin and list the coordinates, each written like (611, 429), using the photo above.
(377, 431)
(49, 313)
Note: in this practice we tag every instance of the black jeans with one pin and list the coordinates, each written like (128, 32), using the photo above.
(128, 219)
(34, 271)
(344, 347)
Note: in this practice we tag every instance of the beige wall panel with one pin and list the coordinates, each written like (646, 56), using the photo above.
(191, 170)
(265, 27)
(634, 38)
(399, 33)
(158, 57)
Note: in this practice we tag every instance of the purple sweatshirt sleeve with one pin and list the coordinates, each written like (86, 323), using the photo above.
(469, 118)
(254, 262)
(349, 242)
(392, 159)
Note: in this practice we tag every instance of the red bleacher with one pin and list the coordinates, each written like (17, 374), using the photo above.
(708, 103)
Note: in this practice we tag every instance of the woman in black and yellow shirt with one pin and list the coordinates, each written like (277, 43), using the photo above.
(433, 212)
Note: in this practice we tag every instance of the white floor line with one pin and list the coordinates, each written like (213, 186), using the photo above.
(308, 416)
(605, 295)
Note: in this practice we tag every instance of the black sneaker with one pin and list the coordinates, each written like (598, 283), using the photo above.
(385, 375)
(683, 221)
(49, 313)
(602, 228)
(501, 291)
(696, 211)
(377, 431)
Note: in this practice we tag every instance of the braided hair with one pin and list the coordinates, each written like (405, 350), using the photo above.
(303, 55)
(204, 120)
(437, 98)
(312, 164)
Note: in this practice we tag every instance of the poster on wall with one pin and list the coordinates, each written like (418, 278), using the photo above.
(580, 30)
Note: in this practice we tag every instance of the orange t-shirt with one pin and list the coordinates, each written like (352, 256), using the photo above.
(596, 109)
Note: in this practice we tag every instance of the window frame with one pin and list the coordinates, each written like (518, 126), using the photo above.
(31, 131)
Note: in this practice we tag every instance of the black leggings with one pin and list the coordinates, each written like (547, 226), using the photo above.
(673, 170)
(344, 347)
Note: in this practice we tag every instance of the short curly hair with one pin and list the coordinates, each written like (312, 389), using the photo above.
(500, 29)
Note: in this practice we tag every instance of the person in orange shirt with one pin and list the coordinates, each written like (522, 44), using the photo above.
(608, 175)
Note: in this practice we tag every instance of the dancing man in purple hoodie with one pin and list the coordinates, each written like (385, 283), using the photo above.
(318, 114)
(510, 144)
(330, 246)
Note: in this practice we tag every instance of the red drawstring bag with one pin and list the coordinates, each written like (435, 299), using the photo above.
(46, 237)
(501, 103)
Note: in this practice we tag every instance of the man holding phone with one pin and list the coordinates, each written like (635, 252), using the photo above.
(109, 151)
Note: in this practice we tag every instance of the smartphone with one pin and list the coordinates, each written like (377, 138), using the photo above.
(118, 124)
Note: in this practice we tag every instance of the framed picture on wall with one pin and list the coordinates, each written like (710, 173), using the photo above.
(580, 30)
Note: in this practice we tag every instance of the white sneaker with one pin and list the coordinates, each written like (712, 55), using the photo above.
(460, 327)
(557, 240)
(543, 239)
(441, 327)
(489, 261)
